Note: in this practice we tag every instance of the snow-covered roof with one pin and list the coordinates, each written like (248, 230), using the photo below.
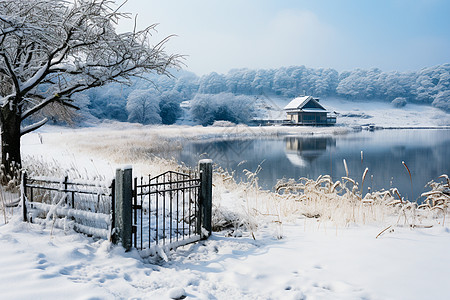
(297, 102)
(314, 110)
(300, 102)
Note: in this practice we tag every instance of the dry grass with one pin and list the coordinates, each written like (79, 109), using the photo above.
(338, 203)
(9, 191)
(437, 200)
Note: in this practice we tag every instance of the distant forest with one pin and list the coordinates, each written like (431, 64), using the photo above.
(216, 96)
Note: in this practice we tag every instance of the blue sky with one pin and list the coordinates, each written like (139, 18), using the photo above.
(219, 35)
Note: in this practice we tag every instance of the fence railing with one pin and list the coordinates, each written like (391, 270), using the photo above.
(170, 209)
(84, 206)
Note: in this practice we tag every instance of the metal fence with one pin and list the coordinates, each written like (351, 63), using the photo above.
(166, 210)
(82, 205)
(170, 210)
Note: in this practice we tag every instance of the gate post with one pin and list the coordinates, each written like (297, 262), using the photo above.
(123, 193)
(23, 195)
(205, 168)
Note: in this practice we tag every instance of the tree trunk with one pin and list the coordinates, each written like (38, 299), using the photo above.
(10, 134)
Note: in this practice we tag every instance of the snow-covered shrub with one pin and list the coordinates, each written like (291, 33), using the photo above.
(399, 102)
(442, 100)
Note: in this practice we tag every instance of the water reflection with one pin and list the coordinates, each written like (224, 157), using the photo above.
(226, 153)
(302, 151)
(426, 153)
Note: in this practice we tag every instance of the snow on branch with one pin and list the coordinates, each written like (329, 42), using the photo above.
(52, 49)
(33, 127)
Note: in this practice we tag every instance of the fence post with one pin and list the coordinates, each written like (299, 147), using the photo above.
(123, 194)
(23, 194)
(205, 167)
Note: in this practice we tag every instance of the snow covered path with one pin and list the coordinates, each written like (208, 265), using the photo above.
(308, 263)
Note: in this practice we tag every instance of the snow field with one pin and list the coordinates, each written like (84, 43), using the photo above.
(305, 264)
(356, 113)
(267, 248)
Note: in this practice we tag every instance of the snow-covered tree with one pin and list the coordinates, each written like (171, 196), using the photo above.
(143, 106)
(283, 84)
(239, 81)
(207, 108)
(52, 49)
(187, 85)
(263, 81)
(109, 102)
(442, 100)
(169, 106)
(212, 83)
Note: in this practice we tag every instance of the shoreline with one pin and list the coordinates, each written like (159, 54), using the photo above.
(413, 128)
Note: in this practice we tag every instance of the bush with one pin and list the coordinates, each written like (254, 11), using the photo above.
(399, 102)
(442, 101)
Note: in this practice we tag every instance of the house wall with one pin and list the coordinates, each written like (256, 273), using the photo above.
(307, 118)
(312, 118)
(293, 117)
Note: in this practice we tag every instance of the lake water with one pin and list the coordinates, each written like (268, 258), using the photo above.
(425, 152)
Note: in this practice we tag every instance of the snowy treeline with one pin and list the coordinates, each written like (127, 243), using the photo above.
(142, 102)
(427, 86)
(207, 108)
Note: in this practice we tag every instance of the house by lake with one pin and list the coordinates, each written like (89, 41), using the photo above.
(307, 110)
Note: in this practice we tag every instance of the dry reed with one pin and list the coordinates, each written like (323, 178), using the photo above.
(410, 179)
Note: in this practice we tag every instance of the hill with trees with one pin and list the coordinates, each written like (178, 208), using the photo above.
(216, 96)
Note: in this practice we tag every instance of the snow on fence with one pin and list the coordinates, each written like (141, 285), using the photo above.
(82, 205)
(170, 210)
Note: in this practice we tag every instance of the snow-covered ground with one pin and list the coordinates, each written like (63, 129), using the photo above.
(384, 114)
(357, 113)
(307, 263)
(312, 260)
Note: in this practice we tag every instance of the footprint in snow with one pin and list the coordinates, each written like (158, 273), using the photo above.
(68, 270)
(127, 277)
(49, 276)
(41, 261)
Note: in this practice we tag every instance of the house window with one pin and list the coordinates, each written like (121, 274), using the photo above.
(308, 117)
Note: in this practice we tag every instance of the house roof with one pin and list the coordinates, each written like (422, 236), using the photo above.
(315, 110)
(300, 102)
(297, 102)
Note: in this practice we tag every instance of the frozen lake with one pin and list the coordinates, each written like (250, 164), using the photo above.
(425, 152)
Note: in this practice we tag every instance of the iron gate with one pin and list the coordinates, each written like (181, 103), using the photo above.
(166, 210)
